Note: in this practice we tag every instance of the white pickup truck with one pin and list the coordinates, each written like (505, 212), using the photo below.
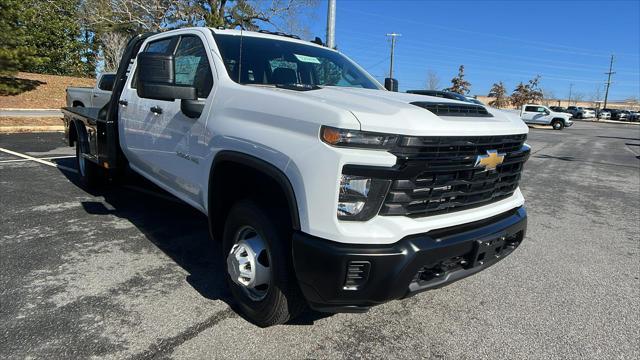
(325, 189)
(96, 96)
(542, 115)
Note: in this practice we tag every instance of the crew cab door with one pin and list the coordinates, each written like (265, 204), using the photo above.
(166, 143)
(181, 136)
(534, 115)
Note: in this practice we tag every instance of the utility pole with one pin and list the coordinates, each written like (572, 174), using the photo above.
(331, 24)
(393, 47)
(606, 93)
(570, 88)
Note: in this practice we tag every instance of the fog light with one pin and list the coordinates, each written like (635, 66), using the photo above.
(353, 194)
(360, 197)
(350, 208)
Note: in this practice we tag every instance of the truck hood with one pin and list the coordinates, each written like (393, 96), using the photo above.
(392, 112)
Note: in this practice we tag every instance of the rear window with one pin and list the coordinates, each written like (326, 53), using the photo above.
(106, 82)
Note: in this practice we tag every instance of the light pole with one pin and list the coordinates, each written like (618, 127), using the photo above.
(331, 24)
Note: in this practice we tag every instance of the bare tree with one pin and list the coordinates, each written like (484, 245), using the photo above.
(596, 95)
(113, 45)
(433, 81)
(284, 15)
(548, 96)
(113, 21)
(499, 93)
(130, 16)
(577, 97)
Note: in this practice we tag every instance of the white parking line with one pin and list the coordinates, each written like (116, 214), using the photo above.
(44, 161)
(42, 158)
(41, 161)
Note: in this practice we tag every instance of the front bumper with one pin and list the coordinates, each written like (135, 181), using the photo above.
(337, 277)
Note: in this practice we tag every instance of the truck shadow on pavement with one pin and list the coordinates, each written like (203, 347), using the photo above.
(178, 230)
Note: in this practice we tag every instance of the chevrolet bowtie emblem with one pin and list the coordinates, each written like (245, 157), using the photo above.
(491, 160)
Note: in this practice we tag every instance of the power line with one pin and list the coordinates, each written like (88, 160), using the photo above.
(477, 54)
(539, 45)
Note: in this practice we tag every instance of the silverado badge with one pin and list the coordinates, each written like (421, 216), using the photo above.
(491, 160)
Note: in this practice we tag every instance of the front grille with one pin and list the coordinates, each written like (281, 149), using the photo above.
(453, 109)
(439, 174)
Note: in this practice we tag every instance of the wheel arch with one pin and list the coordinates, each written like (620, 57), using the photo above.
(73, 133)
(235, 161)
(77, 132)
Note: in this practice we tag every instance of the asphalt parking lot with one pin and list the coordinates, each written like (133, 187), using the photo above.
(127, 272)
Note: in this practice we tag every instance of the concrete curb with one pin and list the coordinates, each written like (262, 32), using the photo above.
(608, 121)
(23, 129)
(25, 109)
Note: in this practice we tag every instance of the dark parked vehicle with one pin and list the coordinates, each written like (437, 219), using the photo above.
(615, 113)
(623, 115)
(632, 115)
(439, 93)
(559, 109)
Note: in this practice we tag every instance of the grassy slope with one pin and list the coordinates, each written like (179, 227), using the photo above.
(49, 92)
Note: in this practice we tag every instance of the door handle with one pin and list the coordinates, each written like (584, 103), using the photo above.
(123, 102)
(95, 95)
(156, 110)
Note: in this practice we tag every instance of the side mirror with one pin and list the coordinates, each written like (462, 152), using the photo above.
(156, 79)
(391, 84)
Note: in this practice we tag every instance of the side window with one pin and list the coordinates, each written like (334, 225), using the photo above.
(106, 82)
(531, 109)
(192, 65)
(160, 46)
(163, 46)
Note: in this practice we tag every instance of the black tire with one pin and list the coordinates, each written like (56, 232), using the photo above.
(557, 124)
(283, 300)
(88, 171)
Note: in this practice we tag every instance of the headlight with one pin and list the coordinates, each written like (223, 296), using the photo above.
(354, 138)
(360, 197)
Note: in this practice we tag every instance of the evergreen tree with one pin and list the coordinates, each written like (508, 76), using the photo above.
(527, 93)
(60, 42)
(16, 52)
(459, 84)
(499, 93)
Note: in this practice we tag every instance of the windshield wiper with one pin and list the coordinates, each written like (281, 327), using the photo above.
(298, 87)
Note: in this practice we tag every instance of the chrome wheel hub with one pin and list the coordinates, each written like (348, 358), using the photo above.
(249, 263)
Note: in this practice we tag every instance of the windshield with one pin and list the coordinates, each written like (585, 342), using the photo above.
(276, 62)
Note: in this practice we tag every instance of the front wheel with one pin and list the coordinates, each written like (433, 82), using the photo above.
(260, 273)
(557, 125)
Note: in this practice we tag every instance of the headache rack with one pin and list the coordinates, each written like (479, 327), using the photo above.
(436, 175)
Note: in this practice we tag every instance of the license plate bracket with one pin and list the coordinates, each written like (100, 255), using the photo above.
(488, 250)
